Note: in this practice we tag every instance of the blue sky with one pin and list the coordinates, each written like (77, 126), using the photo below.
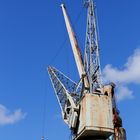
(31, 38)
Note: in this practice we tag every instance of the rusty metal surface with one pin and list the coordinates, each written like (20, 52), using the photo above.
(75, 47)
(120, 134)
(96, 114)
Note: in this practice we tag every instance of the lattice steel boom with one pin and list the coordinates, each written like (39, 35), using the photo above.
(65, 90)
(91, 58)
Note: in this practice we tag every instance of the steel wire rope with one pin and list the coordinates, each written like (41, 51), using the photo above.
(68, 63)
(51, 62)
(44, 114)
(75, 23)
(66, 39)
(98, 35)
(58, 52)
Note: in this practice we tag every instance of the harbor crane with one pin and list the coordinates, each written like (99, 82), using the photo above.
(89, 106)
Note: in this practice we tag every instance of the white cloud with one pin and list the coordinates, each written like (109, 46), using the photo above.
(124, 93)
(8, 117)
(128, 75)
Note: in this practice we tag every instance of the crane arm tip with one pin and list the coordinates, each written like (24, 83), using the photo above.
(62, 5)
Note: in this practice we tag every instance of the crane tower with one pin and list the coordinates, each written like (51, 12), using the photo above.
(88, 107)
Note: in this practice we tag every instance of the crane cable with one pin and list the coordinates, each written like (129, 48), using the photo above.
(51, 62)
(66, 39)
(44, 117)
(77, 37)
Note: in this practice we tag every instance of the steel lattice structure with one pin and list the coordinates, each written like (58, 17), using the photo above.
(88, 107)
(65, 89)
(91, 58)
